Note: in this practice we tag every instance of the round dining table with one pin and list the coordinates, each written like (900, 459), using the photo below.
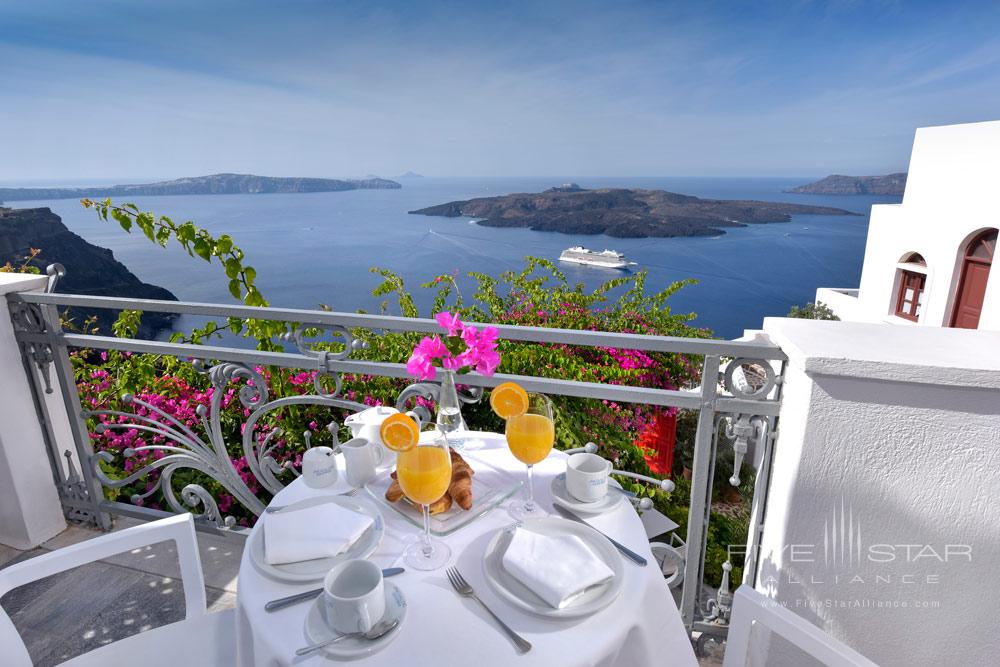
(642, 626)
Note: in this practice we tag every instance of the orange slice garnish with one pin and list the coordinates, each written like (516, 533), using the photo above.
(509, 400)
(399, 432)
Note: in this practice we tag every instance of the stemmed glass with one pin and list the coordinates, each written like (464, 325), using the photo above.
(424, 474)
(530, 437)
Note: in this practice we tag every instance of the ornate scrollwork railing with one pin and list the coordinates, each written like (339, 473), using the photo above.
(739, 404)
(208, 453)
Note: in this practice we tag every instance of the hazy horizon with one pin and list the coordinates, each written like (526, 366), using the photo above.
(556, 179)
(114, 92)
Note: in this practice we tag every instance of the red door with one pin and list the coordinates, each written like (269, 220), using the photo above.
(972, 282)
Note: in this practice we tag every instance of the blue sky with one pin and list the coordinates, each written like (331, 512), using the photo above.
(128, 90)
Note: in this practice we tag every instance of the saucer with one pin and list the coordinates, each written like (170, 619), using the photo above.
(353, 648)
(561, 496)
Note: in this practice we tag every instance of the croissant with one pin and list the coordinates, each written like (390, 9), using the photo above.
(460, 488)
(395, 491)
(441, 505)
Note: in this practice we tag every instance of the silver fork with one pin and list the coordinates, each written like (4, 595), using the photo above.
(277, 508)
(463, 588)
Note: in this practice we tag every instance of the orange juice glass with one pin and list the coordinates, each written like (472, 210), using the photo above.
(530, 437)
(424, 474)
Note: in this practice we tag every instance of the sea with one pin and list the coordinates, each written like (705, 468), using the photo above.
(318, 248)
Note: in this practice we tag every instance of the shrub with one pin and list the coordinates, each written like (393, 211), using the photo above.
(813, 311)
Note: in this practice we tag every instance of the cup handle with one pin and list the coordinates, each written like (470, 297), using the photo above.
(379, 453)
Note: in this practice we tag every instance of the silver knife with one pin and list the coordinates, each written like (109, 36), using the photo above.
(281, 603)
(631, 555)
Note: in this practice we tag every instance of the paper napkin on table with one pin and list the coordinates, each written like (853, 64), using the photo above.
(556, 568)
(319, 531)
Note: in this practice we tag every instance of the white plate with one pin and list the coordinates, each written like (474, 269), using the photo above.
(561, 496)
(512, 590)
(317, 629)
(316, 569)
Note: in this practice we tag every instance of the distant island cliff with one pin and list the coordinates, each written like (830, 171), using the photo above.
(90, 269)
(216, 184)
(624, 213)
(890, 184)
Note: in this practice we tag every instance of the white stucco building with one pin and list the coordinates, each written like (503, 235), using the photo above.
(927, 261)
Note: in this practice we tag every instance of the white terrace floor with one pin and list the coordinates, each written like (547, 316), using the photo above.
(74, 612)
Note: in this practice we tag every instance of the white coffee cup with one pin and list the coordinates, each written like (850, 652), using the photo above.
(361, 459)
(319, 467)
(354, 596)
(587, 477)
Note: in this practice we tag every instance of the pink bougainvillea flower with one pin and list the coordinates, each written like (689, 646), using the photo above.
(419, 365)
(421, 362)
(480, 351)
(488, 336)
(453, 363)
(433, 348)
(488, 362)
(450, 323)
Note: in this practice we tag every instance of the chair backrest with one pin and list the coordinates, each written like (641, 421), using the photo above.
(178, 528)
(751, 607)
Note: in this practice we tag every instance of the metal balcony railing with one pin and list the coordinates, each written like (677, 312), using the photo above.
(731, 402)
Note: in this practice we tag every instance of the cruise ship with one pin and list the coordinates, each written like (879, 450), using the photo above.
(608, 259)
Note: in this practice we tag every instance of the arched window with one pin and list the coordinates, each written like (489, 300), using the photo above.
(912, 278)
(974, 273)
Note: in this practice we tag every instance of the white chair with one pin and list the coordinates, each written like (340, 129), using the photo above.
(750, 607)
(200, 639)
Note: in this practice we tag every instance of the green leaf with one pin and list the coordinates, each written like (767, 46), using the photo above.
(235, 289)
(162, 236)
(123, 219)
(224, 244)
(235, 324)
(253, 298)
(250, 273)
(186, 233)
(203, 249)
(147, 229)
(232, 268)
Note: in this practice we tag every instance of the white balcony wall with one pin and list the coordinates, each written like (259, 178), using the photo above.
(882, 525)
(951, 194)
(30, 511)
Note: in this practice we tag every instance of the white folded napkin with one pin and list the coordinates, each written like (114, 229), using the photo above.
(319, 531)
(557, 568)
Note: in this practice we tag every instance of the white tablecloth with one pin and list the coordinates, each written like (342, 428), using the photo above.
(641, 627)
